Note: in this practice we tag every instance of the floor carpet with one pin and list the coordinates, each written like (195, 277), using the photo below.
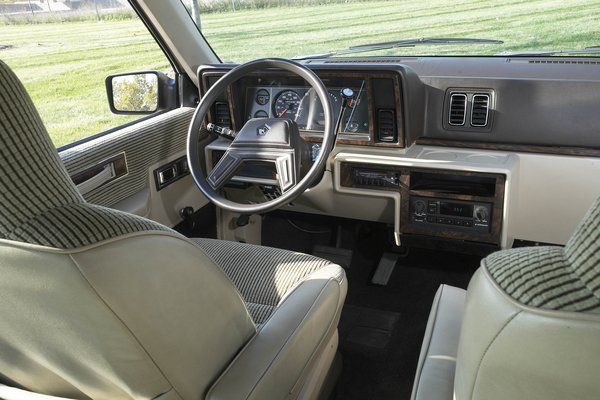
(381, 327)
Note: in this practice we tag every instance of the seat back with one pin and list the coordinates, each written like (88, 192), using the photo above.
(532, 322)
(97, 303)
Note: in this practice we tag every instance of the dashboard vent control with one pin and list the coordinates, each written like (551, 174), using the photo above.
(386, 122)
(458, 109)
(222, 117)
(480, 108)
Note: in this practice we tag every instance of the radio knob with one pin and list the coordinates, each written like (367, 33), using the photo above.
(419, 207)
(481, 214)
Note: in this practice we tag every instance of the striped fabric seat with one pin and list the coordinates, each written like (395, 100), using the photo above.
(39, 203)
(262, 274)
(554, 278)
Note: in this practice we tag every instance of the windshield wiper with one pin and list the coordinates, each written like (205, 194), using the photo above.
(586, 50)
(399, 43)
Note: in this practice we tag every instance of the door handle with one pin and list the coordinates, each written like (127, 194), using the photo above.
(106, 174)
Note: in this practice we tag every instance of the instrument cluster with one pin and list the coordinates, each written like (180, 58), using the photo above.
(302, 105)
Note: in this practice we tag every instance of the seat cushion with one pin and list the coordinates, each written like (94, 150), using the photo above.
(263, 275)
(435, 372)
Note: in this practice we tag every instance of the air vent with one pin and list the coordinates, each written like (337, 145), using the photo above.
(222, 117)
(458, 109)
(386, 122)
(480, 108)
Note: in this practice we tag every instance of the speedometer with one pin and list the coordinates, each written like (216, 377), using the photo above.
(286, 104)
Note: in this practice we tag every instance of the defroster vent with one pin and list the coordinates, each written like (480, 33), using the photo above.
(458, 109)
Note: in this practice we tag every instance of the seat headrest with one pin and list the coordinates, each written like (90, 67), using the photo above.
(39, 203)
(553, 277)
(583, 249)
(32, 175)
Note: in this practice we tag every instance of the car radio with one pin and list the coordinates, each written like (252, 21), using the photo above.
(450, 214)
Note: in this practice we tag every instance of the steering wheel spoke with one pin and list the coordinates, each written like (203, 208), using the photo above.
(224, 170)
(286, 172)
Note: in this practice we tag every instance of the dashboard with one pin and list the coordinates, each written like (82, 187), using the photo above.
(375, 119)
(480, 152)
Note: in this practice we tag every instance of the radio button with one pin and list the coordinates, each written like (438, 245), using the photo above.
(432, 207)
(458, 222)
(440, 220)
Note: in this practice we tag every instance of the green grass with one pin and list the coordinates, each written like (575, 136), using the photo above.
(63, 66)
(521, 24)
(69, 60)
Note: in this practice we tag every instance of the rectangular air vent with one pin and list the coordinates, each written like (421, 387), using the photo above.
(458, 109)
(222, 116)
(386, 122)
(480, 108)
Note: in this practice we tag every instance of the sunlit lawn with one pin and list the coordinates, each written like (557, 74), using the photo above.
(63, 65)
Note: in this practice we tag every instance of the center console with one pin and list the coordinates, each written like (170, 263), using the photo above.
(442, 204)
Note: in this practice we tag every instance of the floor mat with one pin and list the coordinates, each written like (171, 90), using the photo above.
(367, 329)
(381, 327)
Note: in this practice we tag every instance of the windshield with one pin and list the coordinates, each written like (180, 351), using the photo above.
(241, 30)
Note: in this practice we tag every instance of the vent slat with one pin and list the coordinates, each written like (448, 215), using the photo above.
(222, 116)
(480, 109)
(386, 121)
(458, 109)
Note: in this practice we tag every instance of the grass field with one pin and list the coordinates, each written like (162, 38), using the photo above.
(63, 65)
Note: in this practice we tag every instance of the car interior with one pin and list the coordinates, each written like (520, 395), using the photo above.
(326, 227)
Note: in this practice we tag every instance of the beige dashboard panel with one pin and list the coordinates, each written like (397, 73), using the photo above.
(540, 201)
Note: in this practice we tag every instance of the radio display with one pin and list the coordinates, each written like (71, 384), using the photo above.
(456, 209)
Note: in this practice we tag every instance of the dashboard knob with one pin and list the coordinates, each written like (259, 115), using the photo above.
(347, 92)
(347, 97)
(481, 214)
(419, 207)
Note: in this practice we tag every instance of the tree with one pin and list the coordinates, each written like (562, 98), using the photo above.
(136, 92)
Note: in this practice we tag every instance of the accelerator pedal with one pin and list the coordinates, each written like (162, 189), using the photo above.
(385, 269)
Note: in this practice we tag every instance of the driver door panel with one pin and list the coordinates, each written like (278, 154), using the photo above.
(117, 170)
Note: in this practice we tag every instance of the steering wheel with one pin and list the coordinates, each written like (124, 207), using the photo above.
(271, 140)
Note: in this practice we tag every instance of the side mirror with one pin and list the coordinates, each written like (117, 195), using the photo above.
(144, 92)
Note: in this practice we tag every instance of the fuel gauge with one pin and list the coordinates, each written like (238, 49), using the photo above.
(262, 97)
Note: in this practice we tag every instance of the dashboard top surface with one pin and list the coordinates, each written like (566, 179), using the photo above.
(543, 104)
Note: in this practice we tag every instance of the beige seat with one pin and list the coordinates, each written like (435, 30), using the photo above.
(528, 327)
(96, 303)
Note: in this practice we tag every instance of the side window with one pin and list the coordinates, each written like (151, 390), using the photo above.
(63, 51)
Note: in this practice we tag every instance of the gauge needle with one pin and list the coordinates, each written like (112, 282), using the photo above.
(281, 114)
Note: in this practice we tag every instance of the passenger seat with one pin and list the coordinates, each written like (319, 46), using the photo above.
(528, 327)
